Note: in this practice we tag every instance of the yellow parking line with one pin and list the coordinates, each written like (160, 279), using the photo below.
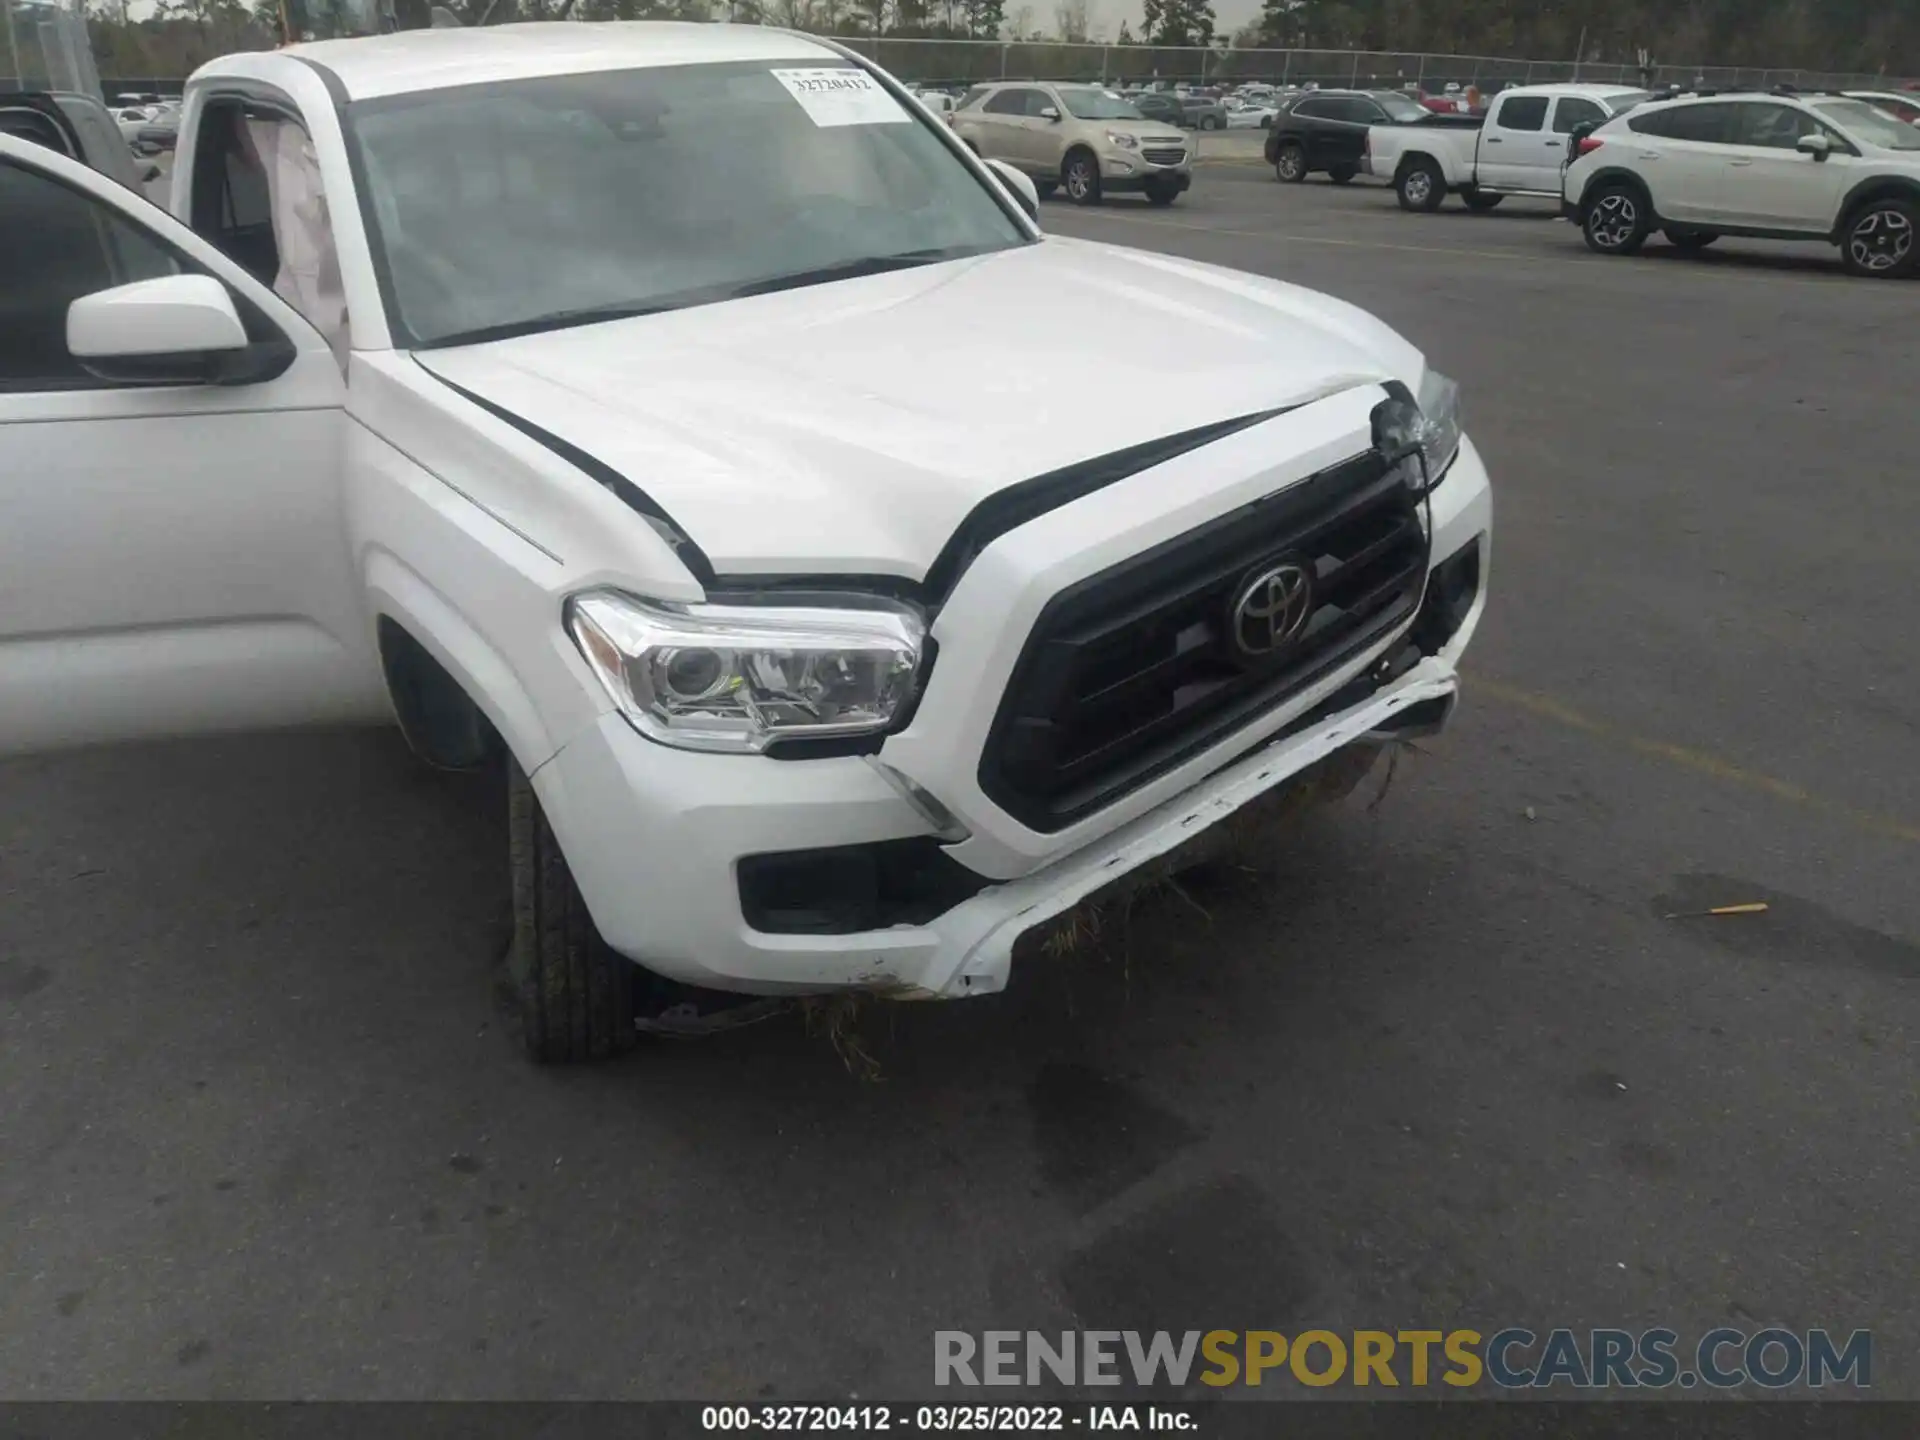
(1698, 761)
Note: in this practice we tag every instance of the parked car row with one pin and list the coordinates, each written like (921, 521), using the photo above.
(1835, 167)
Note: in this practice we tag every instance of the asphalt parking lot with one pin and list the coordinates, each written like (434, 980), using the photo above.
(1435, 1059)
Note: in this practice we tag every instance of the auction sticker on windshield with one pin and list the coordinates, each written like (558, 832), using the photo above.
(842, 97)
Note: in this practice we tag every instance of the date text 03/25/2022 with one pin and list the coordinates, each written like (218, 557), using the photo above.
(942, 1419)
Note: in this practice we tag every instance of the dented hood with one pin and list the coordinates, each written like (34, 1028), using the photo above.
(850, 427)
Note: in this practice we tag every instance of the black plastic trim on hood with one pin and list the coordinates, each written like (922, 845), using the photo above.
(1015, 506)
(636, 499)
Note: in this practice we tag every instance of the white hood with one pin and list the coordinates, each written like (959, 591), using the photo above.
(850, 427)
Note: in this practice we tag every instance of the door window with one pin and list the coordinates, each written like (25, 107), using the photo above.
(1038, 100)
(57, 244)
(1523, 112)
(1775, 127)
(257, 196)
(1008, 102)
(1704, 124)
(1572, 111)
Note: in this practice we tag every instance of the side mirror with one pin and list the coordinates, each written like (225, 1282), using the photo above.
(1019, 186)
(178, 330)
(1818, 146)
(1047, 112)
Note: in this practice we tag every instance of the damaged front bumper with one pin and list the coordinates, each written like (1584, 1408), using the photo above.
(662, 842)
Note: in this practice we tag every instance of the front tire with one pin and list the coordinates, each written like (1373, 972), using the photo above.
(1290, 165)
(1081, 176)
(1162, 195)
(577, 997)
(1879, 241)
(1615, 221)
(1421, 187)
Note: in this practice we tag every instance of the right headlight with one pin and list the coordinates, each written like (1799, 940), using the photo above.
(1440, 408)
(1421, 437)
(736, 678)
(1125, 142)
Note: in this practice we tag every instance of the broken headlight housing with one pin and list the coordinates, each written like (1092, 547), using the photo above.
(739, 677)
(1420, 436)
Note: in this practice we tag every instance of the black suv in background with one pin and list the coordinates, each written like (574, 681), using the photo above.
(1326, 130)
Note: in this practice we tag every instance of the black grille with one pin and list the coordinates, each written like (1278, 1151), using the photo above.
(1136, 669)
(1164, 157)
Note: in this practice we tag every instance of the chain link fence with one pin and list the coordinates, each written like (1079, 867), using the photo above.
(967, 62)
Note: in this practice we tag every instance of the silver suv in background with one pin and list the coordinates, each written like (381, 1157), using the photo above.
(1083, 138)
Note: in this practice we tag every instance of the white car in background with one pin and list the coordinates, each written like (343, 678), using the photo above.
(1250, 114)
(1820, 168)
(1902, 105)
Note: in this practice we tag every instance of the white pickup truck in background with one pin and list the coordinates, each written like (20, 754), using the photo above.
(1520, 150)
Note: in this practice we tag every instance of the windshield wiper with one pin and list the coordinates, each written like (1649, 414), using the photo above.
(704, 295)
(850, 270)
(555, 320)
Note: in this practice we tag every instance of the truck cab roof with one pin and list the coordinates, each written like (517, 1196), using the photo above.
(369, 67)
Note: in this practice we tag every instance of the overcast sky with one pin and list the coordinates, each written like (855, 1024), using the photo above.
(1229, 15)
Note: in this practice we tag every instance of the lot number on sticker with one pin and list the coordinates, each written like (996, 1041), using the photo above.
(842, 97)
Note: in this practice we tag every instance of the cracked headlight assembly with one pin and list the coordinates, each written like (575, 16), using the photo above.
(1420, 437)
(736, 678)
(1440, 405)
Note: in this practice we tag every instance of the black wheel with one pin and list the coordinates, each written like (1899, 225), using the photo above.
(1290, 165)
(1342, 174)
(1081, 176)
(1045, 188)
(1879, 239)
(1480, 200)
(1689, 240)
(1162, 194)
(1615, 220)
(577, 997)
(1207, 122)
(1421, 186)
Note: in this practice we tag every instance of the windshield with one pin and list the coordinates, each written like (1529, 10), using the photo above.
(535, 204)
(1876, 127)
(1098, 105)
(1399, 107)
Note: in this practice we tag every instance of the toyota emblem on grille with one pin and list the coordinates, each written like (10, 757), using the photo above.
(1273, 608)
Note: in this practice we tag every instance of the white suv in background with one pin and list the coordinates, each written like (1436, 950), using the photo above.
(1775, 167)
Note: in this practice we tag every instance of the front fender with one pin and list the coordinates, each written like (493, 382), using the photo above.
(402, 595)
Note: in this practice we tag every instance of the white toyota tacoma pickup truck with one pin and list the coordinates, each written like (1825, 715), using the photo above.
(565, 392)
(1520, 149)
